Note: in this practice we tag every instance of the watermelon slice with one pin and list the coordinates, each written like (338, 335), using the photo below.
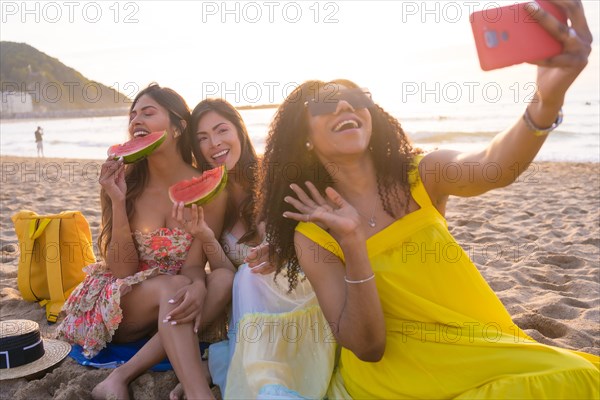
(137, 148)
(199, 190)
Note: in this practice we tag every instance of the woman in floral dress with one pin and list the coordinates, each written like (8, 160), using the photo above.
(151, 281)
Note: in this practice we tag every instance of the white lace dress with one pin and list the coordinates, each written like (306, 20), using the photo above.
(279, 343)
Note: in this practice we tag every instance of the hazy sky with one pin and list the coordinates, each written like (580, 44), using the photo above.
(255, 51)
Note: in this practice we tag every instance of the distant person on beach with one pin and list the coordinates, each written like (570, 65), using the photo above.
(39, 141)
(151, 282)
(362, 217)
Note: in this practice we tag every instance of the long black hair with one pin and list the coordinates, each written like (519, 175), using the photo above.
(136, 175)
(287, 160)
(244, 171)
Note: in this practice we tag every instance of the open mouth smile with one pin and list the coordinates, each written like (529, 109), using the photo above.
(140, 133)
(346, 124)
(220, 154)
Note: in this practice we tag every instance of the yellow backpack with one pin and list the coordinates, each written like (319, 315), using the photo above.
(54, 250)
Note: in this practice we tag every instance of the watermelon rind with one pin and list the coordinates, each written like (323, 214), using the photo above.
(206, 199)
(202, 200)
(139, 154)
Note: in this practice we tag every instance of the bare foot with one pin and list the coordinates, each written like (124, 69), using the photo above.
(112, 388)
(177, 393)
(206, 372)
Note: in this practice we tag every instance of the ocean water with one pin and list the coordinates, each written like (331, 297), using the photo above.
(455, 126)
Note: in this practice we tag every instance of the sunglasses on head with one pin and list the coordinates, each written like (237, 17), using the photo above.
(326, 102)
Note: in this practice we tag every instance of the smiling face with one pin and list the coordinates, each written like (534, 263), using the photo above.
(219, 141)
(160, 109)
(343, 132)
(147, 116)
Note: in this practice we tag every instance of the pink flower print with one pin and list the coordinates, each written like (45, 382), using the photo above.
(115, 320)
(160, 241)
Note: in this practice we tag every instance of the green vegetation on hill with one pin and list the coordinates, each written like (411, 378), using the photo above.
(53, 86)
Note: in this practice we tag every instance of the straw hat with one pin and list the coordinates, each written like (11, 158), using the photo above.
(22, 346)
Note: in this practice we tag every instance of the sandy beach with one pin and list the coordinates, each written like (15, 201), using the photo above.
(537, 243)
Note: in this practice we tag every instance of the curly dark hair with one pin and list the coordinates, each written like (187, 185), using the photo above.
(136, 175)
(244, 171)
(287, 160)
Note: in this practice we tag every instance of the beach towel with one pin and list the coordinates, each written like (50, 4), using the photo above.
(115, 354)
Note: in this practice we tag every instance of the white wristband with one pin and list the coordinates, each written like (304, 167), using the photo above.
(359, 281)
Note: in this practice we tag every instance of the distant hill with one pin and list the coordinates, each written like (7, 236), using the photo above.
(53, 87)
(258, 107)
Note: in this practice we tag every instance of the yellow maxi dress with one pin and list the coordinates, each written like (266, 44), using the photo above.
(448, 334)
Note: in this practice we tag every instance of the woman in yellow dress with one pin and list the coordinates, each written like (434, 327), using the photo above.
(362, 216)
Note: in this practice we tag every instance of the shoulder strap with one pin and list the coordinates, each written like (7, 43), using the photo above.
(36, 231)
(417, 189)
(27, 243)
(54, 272)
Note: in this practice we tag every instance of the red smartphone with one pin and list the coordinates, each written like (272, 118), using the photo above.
(509, 35)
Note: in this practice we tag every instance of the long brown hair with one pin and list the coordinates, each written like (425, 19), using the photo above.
(287, 160)
(136, 175)
(244, 171)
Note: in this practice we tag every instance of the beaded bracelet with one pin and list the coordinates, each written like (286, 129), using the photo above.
(359, 281)
(537, 131)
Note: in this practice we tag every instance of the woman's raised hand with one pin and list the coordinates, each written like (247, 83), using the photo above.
(196, 225)
(334, 213)
(189, 301)
(555, 75)
(258, 259)
(112, 178)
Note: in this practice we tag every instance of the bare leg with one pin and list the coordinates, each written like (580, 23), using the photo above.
(181, 344)
(178, 393)
(219, 284)
(117, 382)
(140, 314)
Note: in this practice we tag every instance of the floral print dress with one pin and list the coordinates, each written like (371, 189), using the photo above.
(93, 310)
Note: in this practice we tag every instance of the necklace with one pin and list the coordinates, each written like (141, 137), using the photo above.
(372, 221)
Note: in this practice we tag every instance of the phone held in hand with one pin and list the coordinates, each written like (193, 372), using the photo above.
(509, 35)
